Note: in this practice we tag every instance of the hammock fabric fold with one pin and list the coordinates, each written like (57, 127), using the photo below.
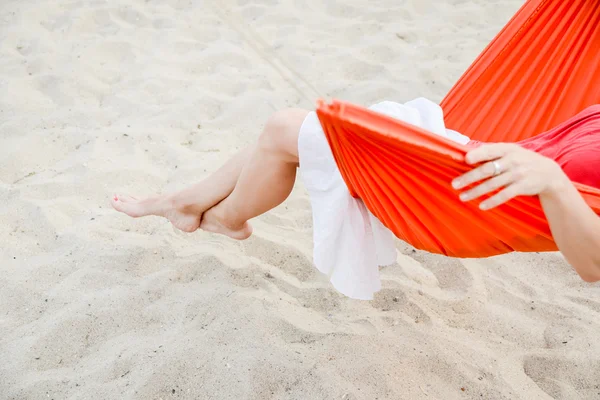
(542, 69)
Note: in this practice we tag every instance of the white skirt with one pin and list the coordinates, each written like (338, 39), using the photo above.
(350, 243)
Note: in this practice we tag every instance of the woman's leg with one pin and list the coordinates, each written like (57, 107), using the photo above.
(266, 180)
(277, 148)
(184, 208)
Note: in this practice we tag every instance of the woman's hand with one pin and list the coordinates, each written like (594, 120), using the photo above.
(511, 168)
(513, 171)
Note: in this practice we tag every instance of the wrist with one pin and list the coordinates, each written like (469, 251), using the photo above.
(560, 185)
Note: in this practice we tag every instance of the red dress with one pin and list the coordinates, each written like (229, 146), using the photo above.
(574, 145)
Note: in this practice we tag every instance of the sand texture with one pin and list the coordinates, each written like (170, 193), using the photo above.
(104, 96)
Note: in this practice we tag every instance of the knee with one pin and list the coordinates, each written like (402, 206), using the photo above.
(282, 129)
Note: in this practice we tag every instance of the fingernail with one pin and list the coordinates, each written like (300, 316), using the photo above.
(464, 196)
(483, 206)
(456, 184)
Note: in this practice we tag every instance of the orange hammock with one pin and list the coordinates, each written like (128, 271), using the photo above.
(542, 69)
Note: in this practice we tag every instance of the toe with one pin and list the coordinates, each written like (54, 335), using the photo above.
(131, 209)
(126, 198)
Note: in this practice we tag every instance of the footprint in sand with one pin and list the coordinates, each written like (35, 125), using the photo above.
(450, 273)
(85, 328)
(58, 23)
(55, 89)
(35, 66)
(198, 270)
(362, 71)
(266, 3)
(286, 258)
(251, 278)
(380, 54)
(571, 334)
(98, 21)
(253, 11)
(130, 16)
(324, 300)
(564, 378)
(339, 9)
(29, 47)
(394, 300)
(163, 23)
(593, 305)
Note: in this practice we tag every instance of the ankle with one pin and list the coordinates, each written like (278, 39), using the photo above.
(191, 200)
(176, 201)
(227, 216)
(182, 201)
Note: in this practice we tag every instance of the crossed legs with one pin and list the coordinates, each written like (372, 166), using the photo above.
(251, 183)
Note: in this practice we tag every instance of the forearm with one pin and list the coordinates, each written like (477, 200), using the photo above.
(575, 228)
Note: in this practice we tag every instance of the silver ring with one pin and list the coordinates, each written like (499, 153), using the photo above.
(497, 168)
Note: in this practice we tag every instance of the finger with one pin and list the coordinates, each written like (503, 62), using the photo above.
(482, 172)
(502, 197)
(488, 186)
(488, 152)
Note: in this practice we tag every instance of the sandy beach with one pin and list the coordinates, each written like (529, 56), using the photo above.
(144, 97)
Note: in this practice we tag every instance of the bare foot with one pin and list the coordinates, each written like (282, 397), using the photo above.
(214, 221)
(184, 219)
